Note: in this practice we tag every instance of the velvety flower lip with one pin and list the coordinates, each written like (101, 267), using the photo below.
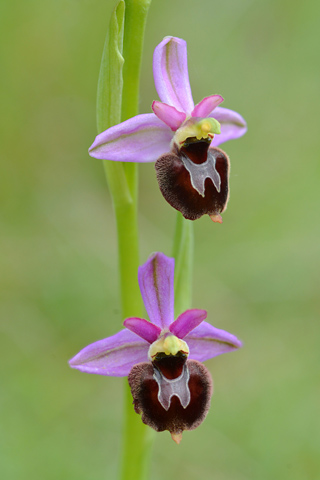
(116, 355)
(145, 137)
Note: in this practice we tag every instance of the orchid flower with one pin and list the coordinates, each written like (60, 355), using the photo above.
(171, 389)
(193, 174)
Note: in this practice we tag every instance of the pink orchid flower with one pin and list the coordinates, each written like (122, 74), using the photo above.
(193, 174)
(162, 357)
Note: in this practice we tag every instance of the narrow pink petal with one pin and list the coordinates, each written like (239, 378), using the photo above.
(114, 355)
(206, 341)
(156, 285)
(169, 115)
(232, 125)
(146, 330)
(187, 321)
(170, 71)
(140, 139)
(205, 107)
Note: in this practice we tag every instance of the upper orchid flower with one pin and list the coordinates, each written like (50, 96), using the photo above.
(180, 137)
(171, 389)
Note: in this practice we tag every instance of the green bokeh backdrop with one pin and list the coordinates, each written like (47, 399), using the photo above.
(257, 274)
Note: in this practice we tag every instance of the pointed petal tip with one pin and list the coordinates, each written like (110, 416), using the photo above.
(169, 38)
(216, 218)
(238, 343)
(176, 437)
(71, 363)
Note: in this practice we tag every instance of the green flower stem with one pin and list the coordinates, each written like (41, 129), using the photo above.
(135, 22)
(137, 444)
(109, 101)
(183, 253)
(119, 86)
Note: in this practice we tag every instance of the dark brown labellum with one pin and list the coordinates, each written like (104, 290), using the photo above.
(194, 179)
(185, 409)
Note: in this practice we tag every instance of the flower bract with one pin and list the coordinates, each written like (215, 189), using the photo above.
(182, 138)
(162, 357)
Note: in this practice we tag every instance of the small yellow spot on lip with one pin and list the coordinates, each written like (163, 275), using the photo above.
(206, 127)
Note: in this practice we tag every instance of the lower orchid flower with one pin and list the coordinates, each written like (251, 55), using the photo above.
(162, 357)
(193, 174)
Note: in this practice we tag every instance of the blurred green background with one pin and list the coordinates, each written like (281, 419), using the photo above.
(257, 274)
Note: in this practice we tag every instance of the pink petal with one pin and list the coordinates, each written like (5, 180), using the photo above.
(170, 71)
(169, 115)
(187, 321)
(114, 355)
(205, 107)
(146, 330)
(156, 285)
(206, 341)
(232, 125)
(140, 139)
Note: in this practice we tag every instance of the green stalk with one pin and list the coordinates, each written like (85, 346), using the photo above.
(119, 86)
(183, 253)
(137, 444)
